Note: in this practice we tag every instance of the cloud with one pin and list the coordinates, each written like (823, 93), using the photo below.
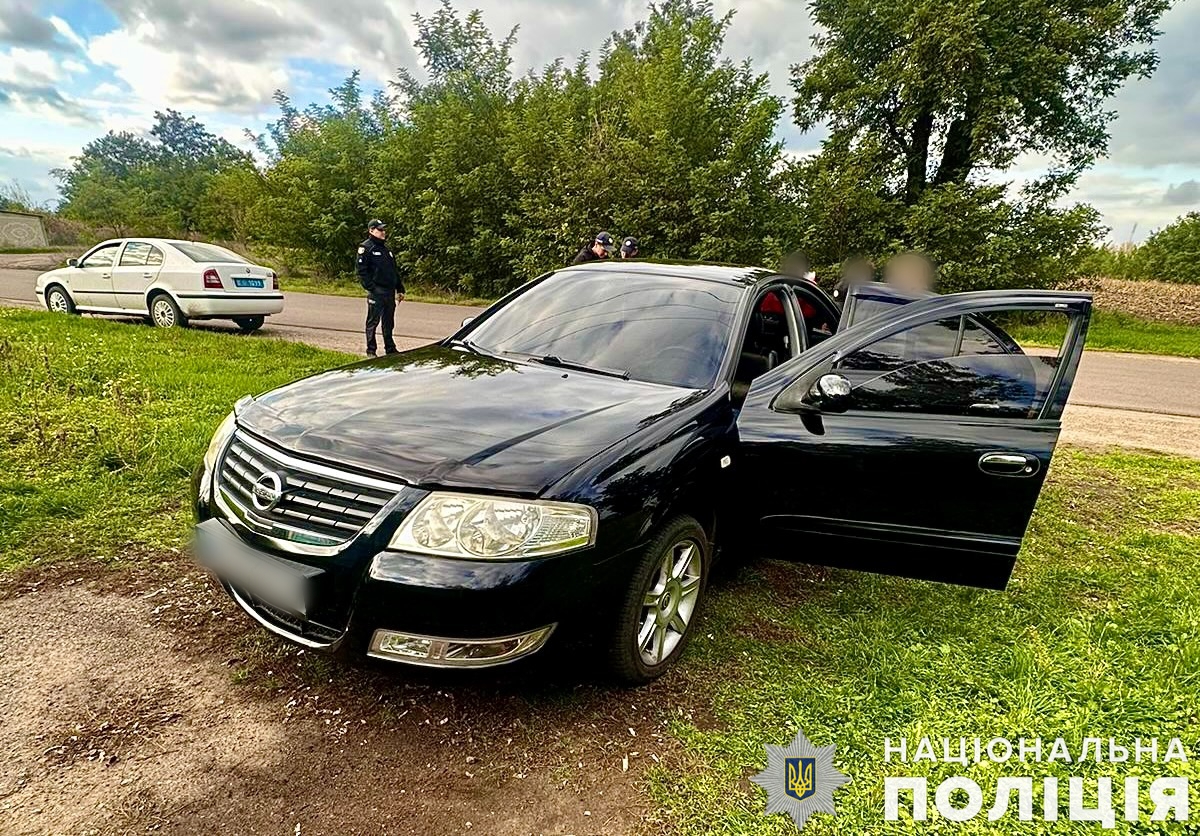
(44, 101)
(1159, 117)
(21, 25)
(1186, 193)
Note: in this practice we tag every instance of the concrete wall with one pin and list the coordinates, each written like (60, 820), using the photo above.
(17, 230)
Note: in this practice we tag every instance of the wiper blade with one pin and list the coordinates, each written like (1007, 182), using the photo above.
(552, 360)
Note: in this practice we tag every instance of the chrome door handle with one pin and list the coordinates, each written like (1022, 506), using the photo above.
(1009, 464)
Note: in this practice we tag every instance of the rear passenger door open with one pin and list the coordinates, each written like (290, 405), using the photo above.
(934, 466)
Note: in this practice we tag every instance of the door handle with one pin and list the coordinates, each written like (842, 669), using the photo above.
(147, 275)
(106, 275)
(1009, 464)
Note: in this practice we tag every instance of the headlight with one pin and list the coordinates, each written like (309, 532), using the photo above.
(464, 525)
(218, 442)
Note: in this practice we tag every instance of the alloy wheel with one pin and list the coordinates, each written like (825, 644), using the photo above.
(58, 302)
(164, 314)
(670, 602)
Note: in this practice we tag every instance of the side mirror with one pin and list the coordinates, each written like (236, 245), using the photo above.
(831, 393)
(467, 321)
(72, 262)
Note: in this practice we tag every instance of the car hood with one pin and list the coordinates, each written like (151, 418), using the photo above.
(446, 417)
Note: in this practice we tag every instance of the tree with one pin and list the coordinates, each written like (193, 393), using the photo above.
(944, 90)
(152, 183)
(1172, 253)
(315, 193)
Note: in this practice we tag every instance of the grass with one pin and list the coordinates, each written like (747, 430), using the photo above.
(102, 424)
(349, 287)
(1097, 635)
(1116, 331)
(30, 250)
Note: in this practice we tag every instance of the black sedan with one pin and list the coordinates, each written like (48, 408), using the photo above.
(575, 459)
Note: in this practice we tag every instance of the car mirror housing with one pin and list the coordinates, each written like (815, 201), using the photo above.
(830, 393)
(467, 321)
(72, 262)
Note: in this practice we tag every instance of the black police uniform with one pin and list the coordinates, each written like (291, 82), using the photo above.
(585, 255)
(377, 273)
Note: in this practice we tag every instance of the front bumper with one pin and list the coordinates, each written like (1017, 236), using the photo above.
(217, 304)
(418, 609)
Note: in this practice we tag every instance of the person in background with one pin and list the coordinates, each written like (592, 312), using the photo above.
(798, 264)
(629, 247)
(856, 269)
(376, 269)
(601, 247)
(911, 271)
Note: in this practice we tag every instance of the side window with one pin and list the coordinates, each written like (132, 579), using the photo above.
(134, 254)
(102, 257)
(154, 257)
(962, 366)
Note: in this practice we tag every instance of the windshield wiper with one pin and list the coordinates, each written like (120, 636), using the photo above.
(552, 360)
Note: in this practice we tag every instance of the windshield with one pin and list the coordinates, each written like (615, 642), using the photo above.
(207, 252)
(660, 329)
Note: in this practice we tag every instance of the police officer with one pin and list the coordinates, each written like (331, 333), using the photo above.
(601, 247)
(630, 248)
(376, 269)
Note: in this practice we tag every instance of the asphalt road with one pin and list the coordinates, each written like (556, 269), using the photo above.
(1128, 382)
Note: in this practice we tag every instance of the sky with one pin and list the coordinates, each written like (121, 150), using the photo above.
(71, 70)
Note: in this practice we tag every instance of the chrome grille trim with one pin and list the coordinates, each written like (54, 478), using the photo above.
(321, 507)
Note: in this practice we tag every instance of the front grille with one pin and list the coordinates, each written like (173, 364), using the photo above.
(298, 502)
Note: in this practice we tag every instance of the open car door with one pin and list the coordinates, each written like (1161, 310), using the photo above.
(916, 440)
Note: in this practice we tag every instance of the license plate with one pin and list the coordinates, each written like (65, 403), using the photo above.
(281, 583)
(248, 283)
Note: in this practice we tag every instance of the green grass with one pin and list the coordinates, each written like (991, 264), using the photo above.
(349, 287)
(29, 250)
(1115, 331)
(1097, 635)
(102, 424)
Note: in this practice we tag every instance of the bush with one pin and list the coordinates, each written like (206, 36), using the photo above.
(1172, 254)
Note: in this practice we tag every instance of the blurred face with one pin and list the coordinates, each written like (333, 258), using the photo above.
(600, 250)
(858, 273)
(908, 272)
(379, 232)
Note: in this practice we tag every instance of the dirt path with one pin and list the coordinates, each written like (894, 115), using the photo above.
(131, 705)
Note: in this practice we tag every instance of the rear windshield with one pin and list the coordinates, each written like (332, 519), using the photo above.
(207, 252)
(660, 329)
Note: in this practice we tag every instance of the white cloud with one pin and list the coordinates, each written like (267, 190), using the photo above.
(64, 29)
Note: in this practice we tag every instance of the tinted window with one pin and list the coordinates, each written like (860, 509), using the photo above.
(930, 341)
(102, 257)
(954, 366)
(660, 329)
(154, 258)
(207, 252)
(134, 254)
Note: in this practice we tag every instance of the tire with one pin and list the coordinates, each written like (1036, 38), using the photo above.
(664, 594)
(249, 324)
(58, 300)
(164, 313)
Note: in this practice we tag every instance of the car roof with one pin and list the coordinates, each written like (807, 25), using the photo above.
(724, 273)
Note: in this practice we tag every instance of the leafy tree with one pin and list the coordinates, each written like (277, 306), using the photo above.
(943, 90)
(1173, 253)
(151, 184)
(314, 193)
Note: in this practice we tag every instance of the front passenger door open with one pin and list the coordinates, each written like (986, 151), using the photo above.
(932, 463)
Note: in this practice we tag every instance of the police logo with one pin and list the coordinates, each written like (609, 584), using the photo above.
(362, 250)
(800, 779)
